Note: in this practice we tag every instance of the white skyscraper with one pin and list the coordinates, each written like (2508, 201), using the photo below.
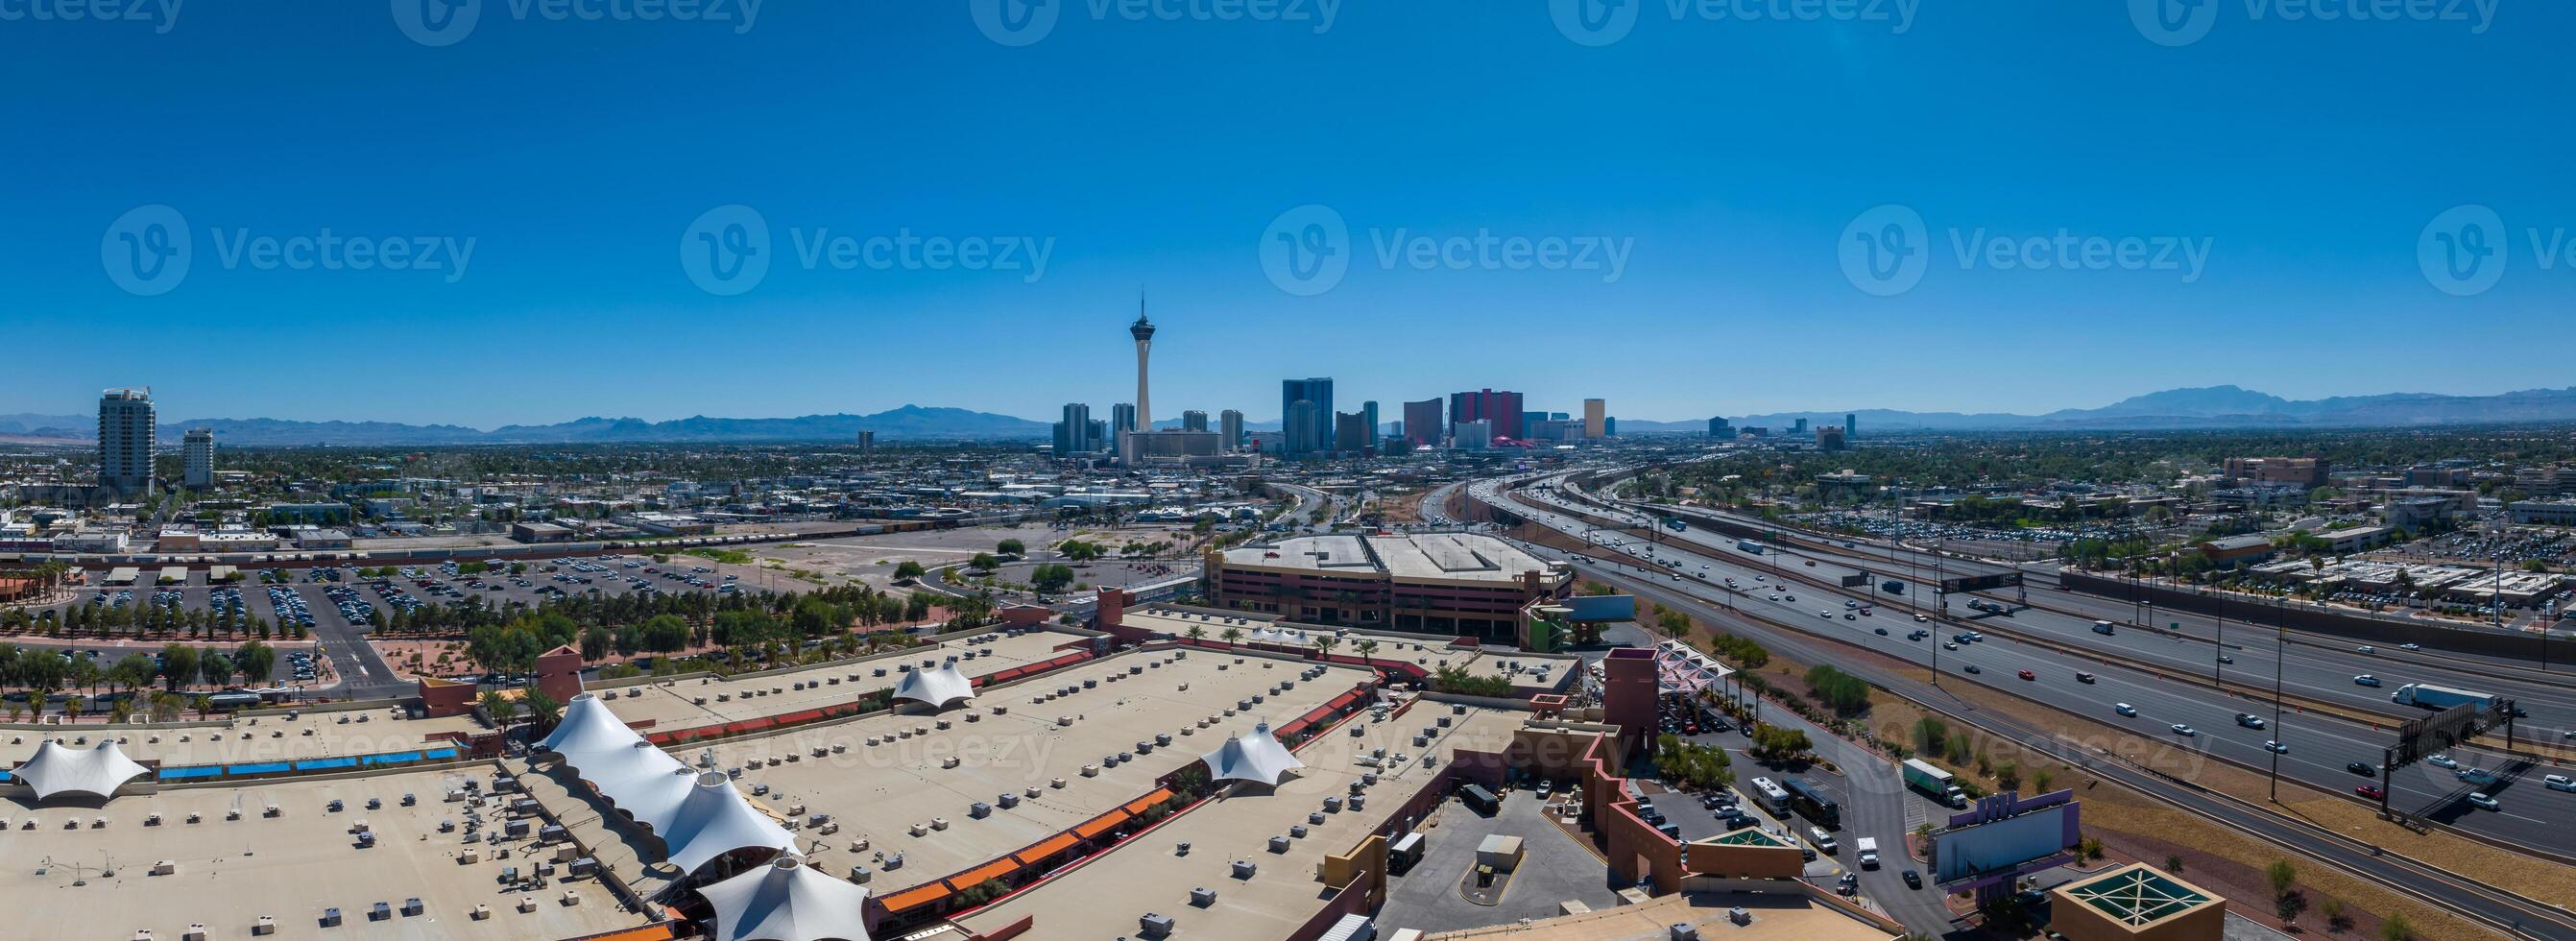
(126, 425)
(199, 449)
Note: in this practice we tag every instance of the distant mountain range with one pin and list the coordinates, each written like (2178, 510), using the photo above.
(2213, 407)
(911, 422)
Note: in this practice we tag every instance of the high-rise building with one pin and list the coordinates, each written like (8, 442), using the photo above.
(867, 443)
(1422, 424)
(1193, 420)
(1829, 438)
(1122, 418)
(1318, 432)
(1596, 414)
(1073, 432)
(1851, 426)
(126, 426)
(1799, 429)
(1298, 428)
(1229, 430)
(1098, 438)
(1370, 409)
(1350, 432)
(1500, 411)
(199, 449)
(1473, 435)
(1719, 428)
(1143, 331)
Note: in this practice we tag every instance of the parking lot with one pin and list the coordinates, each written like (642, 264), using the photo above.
(1555, 870)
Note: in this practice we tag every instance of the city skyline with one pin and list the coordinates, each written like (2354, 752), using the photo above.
(1733, 209)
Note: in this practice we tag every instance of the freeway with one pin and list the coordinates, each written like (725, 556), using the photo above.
(2184, 644)
(2473, 671)
(2319, 747)
(2505, 912)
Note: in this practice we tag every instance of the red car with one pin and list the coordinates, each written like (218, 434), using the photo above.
(2027, 675)
(2368, 790)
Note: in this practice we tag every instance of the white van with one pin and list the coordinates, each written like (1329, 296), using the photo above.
(2560, 782)
(1824, 841)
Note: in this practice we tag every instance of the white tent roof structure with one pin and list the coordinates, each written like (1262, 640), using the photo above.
(715, 820)
(1256, 757)
(935, 688)
(787, 901)
(94, 771)
(697, 816)
(1279, 635)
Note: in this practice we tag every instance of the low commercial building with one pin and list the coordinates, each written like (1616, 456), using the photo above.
(2235, 551)
(2357, 539)
(1445, 583)
(2543, 512)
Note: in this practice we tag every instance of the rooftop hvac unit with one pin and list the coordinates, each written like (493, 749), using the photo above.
(265, 926)
(411, 907)
(1153, 925)
(1202, 896)
(1279, 844)
(1243, 869)
(330, 918)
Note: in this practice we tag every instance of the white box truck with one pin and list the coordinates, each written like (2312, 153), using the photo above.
(1868, 852)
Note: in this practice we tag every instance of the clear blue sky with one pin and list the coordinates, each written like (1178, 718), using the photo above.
(1729, 157)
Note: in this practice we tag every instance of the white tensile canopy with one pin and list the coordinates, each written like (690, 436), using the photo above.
(715, 820)
(94, 771)
(935, 688)
(787, 901)
(697, 816)
(1257, 757)
(1276, 635)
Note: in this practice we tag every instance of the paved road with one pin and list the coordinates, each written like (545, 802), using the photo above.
(2320, 746)
(2435, 886)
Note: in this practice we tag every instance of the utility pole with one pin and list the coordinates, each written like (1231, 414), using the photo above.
(2280, 657)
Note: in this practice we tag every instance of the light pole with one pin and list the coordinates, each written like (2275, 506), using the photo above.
(2280, 657)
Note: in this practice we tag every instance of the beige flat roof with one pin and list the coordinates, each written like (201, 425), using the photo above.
(291, 867)
(1775, 918)
(671, 704)
(877, 793)
(1451, 556)
(263, 738)
(1103, 898)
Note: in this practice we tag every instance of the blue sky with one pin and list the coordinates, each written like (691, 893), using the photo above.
(1670, 204)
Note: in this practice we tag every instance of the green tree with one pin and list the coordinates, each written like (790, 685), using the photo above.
(178, 665)
(2281, 874)
(2396, 928)
(908, 570)
(1011, 547)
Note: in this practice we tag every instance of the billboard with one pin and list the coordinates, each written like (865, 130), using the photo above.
(1854, 581)
(1962, 583)
(2003, 835)
(1602, 607)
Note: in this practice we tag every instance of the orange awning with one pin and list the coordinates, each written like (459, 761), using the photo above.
(1101, 824)
(917, 897)
(977, 876)
(1140, 804)
(1052, 845)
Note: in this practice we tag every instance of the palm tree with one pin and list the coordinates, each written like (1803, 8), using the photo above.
(1324, 645)
(1195, 633)
(1233, 637)
(498, 708)
(1365, 647)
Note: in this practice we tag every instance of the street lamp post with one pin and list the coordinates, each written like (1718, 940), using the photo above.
(2280, 658)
